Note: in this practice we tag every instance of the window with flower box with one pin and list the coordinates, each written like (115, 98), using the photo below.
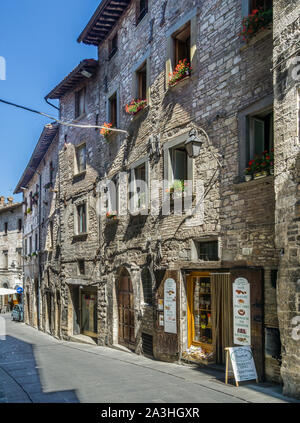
(256, 131)
(181, 48)
(257, 16)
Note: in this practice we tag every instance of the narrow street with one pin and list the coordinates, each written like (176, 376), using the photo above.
(34, 367)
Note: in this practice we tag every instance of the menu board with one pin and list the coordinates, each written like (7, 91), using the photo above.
(241, 312)
(243, 365)
(170, 324)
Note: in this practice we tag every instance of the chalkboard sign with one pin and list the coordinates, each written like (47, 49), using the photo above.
(242, 362)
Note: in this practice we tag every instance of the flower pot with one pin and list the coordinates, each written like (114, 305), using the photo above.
(259, 175)
(248, 178)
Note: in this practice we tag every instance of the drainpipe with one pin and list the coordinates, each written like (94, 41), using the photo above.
(50, 104)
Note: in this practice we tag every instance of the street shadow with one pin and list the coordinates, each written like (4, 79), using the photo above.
(20, 377)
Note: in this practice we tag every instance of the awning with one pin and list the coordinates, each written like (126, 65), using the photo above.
(5, 291)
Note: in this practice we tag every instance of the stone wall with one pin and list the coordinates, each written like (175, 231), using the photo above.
(287, 183)
(10, 244)
(228, 78)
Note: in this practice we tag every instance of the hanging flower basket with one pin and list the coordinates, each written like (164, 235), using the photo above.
(182, 70)
(258, 20)
(135, 106)
(106, 130)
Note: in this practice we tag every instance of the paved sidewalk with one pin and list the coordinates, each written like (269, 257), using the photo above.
(35, 367)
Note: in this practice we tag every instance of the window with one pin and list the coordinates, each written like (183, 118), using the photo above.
(80, 102)
(141, 10)
(112, 204)
(81, 267)
(182, 44)
(51, 169)
(178, 166)
(259, 134)
(142, 82)
(36, 242)
(30, 244)
(147, 286)
(113, 46)
(81, 219)
(20, 225)
(5, 261)
(179, 163)
(5, 228)
(19, 255)
(51, 233)
(81, 158)
(139, 186)
(112, 110)
(207, 250)
(260, 4)
(26, 246)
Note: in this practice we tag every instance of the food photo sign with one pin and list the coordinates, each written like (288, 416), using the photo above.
(241, 312)
(170, 324)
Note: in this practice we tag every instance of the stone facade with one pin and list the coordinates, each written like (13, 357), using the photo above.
(229, 81)
(10, 245)
(230, 85)
(41, 239)
(287, 184)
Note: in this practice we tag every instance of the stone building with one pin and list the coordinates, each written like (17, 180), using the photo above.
(113, 266)
(40, 186)
(133, 267)
(10, 248)
(287, 185)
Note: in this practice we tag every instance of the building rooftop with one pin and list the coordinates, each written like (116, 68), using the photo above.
(103, 21)
(86, 69)
(39, 152)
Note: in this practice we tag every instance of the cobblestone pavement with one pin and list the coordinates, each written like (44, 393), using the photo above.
(35, 367)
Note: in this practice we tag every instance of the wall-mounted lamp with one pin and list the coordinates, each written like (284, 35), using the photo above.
(193, 144)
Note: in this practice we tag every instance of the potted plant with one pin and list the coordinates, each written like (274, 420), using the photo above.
(182, 70)
(49, 185)
(135, 106)
(106, 130)
(112, 215)
(258, 20)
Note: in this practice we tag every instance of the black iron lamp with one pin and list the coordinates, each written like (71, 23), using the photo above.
(193, 144)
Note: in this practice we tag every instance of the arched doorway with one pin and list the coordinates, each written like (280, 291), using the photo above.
(125, 298)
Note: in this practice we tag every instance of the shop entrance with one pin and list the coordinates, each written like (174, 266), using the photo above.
(209, 316)
(89, 319)
(126, 311)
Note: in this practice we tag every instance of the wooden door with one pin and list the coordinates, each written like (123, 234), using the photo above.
(126, 312)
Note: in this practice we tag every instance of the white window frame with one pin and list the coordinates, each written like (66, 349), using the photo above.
(134, 198)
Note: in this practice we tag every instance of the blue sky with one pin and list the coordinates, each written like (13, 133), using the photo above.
(38, 42)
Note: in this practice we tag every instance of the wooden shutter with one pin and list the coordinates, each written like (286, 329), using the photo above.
(255, 279)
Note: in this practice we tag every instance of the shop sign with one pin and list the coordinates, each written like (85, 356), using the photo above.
(242, 362)
(170, 324)
(241, 312)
